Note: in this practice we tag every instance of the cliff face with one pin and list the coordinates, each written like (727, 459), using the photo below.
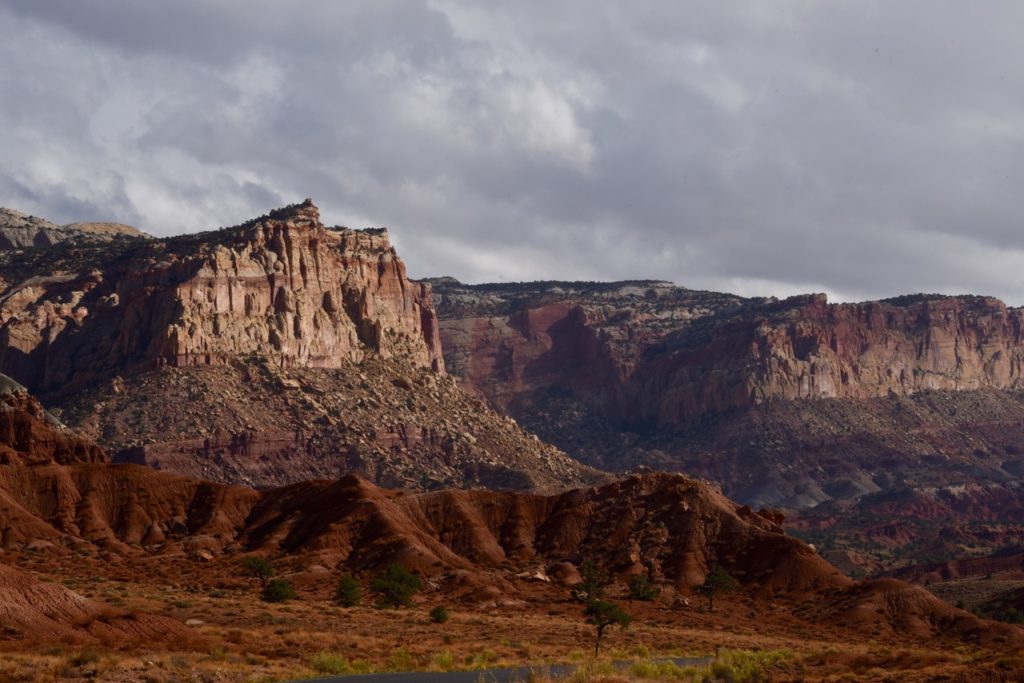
(805, 348)
(788, 404)
(283, 287)
(654, 354)
(508, 342)
(268, 353)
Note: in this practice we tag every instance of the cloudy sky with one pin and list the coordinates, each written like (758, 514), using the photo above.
(855, 147)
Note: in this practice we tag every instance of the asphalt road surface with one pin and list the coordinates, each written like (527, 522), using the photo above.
(512, 675)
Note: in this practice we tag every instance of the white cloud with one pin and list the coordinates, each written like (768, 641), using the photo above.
(862, 149)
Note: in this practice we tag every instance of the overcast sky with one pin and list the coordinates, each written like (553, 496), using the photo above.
(859, 148)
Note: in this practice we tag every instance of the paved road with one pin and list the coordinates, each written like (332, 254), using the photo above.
(512, 675)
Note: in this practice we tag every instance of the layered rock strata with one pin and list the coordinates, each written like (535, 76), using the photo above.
(283, 287)
(787, 403)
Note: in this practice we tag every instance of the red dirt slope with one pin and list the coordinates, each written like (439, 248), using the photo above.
(42, 612)
(668, 526)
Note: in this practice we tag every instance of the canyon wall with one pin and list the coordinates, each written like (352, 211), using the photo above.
(656, 356)
(282, 286)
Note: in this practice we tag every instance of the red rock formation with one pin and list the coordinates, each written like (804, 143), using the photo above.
(45, 612)
(29, 434)
(655, 355)
(283, 287)
(668, 526)
(806, 348)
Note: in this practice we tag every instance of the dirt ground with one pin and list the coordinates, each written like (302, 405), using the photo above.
(245, 639)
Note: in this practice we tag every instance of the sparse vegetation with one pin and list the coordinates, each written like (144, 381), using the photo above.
(439, 614)
(602, 614)
(330, 664)
(641, 588)
(717, 581)
(348, 593)
(395, 587)
(278, 590)
(259, 568)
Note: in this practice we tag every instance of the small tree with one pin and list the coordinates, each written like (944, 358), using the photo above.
(258, 568)
(348, 593)
(717, 581)
(603, 614)
(641, 588)
(439, 614)
(278, 590)
(395, 587)
(593, 582)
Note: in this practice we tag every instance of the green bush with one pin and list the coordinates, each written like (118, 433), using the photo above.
(258, 568)
(278, 590)
(348, 593)
(439, 614)
(395, 587)
(641, 588)
(328, 663)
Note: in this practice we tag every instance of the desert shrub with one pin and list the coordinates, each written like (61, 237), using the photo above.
(439, 614)
(330, 663)
(666, 671)
(259, 568)
(395, 587)
(443, 661)
(747, 666)
(348, 592)
(641, 588)
(278, 590)
(84, 657)
(400, 660)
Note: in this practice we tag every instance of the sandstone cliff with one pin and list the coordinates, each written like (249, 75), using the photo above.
(268, 353)
(662, 355)
(787, 403)
(806, 348)
(283, 287)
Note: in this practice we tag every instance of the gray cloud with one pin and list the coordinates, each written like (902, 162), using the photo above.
(861, 148)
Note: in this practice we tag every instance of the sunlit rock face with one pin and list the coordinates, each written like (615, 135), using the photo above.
(282, 286)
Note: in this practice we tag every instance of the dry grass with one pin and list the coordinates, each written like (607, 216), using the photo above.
(248, 640)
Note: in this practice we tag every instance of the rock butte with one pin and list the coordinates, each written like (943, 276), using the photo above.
(284, 287)
(268, 353)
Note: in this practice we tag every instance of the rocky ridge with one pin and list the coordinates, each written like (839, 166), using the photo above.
(653, 355)
(789, 403)
(282, 286)
(671, 527)
(271, 352)
(18, 231)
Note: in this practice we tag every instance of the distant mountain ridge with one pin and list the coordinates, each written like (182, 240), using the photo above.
(788, 403)
(20, 231)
